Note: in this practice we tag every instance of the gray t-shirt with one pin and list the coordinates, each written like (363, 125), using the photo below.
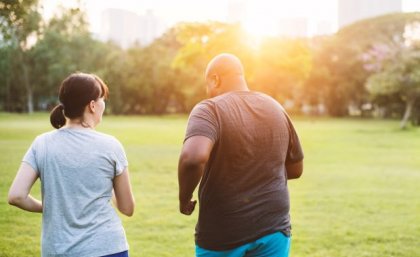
(77, 168)
(243, 193)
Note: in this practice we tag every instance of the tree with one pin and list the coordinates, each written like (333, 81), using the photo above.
(19, 24)
(150, 84)
(340, 67)
(397, 70)
(276, 66)
(200, 42)
(114, 71)
(64, 47)
(281, 68)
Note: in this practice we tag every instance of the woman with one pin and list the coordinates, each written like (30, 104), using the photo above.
(80, 170)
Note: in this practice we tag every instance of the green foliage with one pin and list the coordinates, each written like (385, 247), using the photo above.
(65, 46)
(282, 66)
(19, 21)
(200, 43)
(167, 76)
(274, 66)
(341, 58)
(11, 92)
(397, 70)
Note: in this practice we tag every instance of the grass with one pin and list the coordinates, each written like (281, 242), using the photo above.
(359, 195)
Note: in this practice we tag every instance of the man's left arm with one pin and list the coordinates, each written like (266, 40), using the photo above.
(294, 170)
(294, 158)
(194, 156)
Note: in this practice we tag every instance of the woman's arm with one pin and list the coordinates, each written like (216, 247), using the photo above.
(124, 199)
(19, 191)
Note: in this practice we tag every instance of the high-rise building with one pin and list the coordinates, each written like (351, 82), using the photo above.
(350, 11)
(120, 27)
(150, 27)
(126, 28)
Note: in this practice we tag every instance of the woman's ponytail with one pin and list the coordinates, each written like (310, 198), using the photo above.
(75, 93)
(57, 118)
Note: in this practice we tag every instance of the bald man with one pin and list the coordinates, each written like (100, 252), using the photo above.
(243, 147)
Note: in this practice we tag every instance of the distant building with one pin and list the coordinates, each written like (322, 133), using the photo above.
(120, 27)
(150, 28)
(350, 11)
(126, 28)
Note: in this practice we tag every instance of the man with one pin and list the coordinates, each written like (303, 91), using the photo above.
(243, 147)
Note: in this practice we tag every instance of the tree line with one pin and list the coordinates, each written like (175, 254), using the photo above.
(371, 67)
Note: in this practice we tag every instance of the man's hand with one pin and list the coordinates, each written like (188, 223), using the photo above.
(188, 207)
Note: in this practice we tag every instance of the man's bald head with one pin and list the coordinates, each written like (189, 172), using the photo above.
(225, 64)
(225, 73)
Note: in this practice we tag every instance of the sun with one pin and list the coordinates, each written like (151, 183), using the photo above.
(262, 17)
(260, 27)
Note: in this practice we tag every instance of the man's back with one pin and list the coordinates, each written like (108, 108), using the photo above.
(243, 192)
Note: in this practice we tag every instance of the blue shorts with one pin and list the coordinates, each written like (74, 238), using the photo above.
(121, 254)
(273, 245)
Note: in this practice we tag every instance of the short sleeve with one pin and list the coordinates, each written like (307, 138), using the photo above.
(203, 122)
(32, 155)
(120, 160)
(294, 152)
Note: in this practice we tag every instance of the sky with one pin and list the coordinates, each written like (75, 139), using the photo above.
(260, 14)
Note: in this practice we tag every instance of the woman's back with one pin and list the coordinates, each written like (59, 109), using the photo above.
(77, 168)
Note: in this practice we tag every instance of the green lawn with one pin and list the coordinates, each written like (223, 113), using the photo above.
(359, 195)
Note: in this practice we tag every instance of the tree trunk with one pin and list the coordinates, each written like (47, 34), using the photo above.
(7, 104)
(407, 114)
(28, 87)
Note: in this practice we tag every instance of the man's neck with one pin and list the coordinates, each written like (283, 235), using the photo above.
(234, 85)
(235, 89)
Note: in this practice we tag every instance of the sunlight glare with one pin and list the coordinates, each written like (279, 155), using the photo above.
(276, 17)
(261, 19)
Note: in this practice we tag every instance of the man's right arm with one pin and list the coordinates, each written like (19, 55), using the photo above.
(294, 170)
(201, 134)
(194, 156)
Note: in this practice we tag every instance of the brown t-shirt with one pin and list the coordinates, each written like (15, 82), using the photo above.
(243, 194)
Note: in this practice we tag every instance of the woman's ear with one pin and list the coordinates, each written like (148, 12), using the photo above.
(92, 106)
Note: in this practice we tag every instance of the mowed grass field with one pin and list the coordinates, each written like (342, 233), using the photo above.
(359, 194)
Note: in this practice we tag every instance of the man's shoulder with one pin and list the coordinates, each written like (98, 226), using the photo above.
(211, 104)
(264, 95)
(207, 104)
(269, 99)
(214, 102)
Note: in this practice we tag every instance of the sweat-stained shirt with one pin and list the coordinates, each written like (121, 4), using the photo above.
(243, 193)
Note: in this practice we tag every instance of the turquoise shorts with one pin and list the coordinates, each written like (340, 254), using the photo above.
(273, 245)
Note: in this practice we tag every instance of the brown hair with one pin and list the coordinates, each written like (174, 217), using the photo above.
(76, 91)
